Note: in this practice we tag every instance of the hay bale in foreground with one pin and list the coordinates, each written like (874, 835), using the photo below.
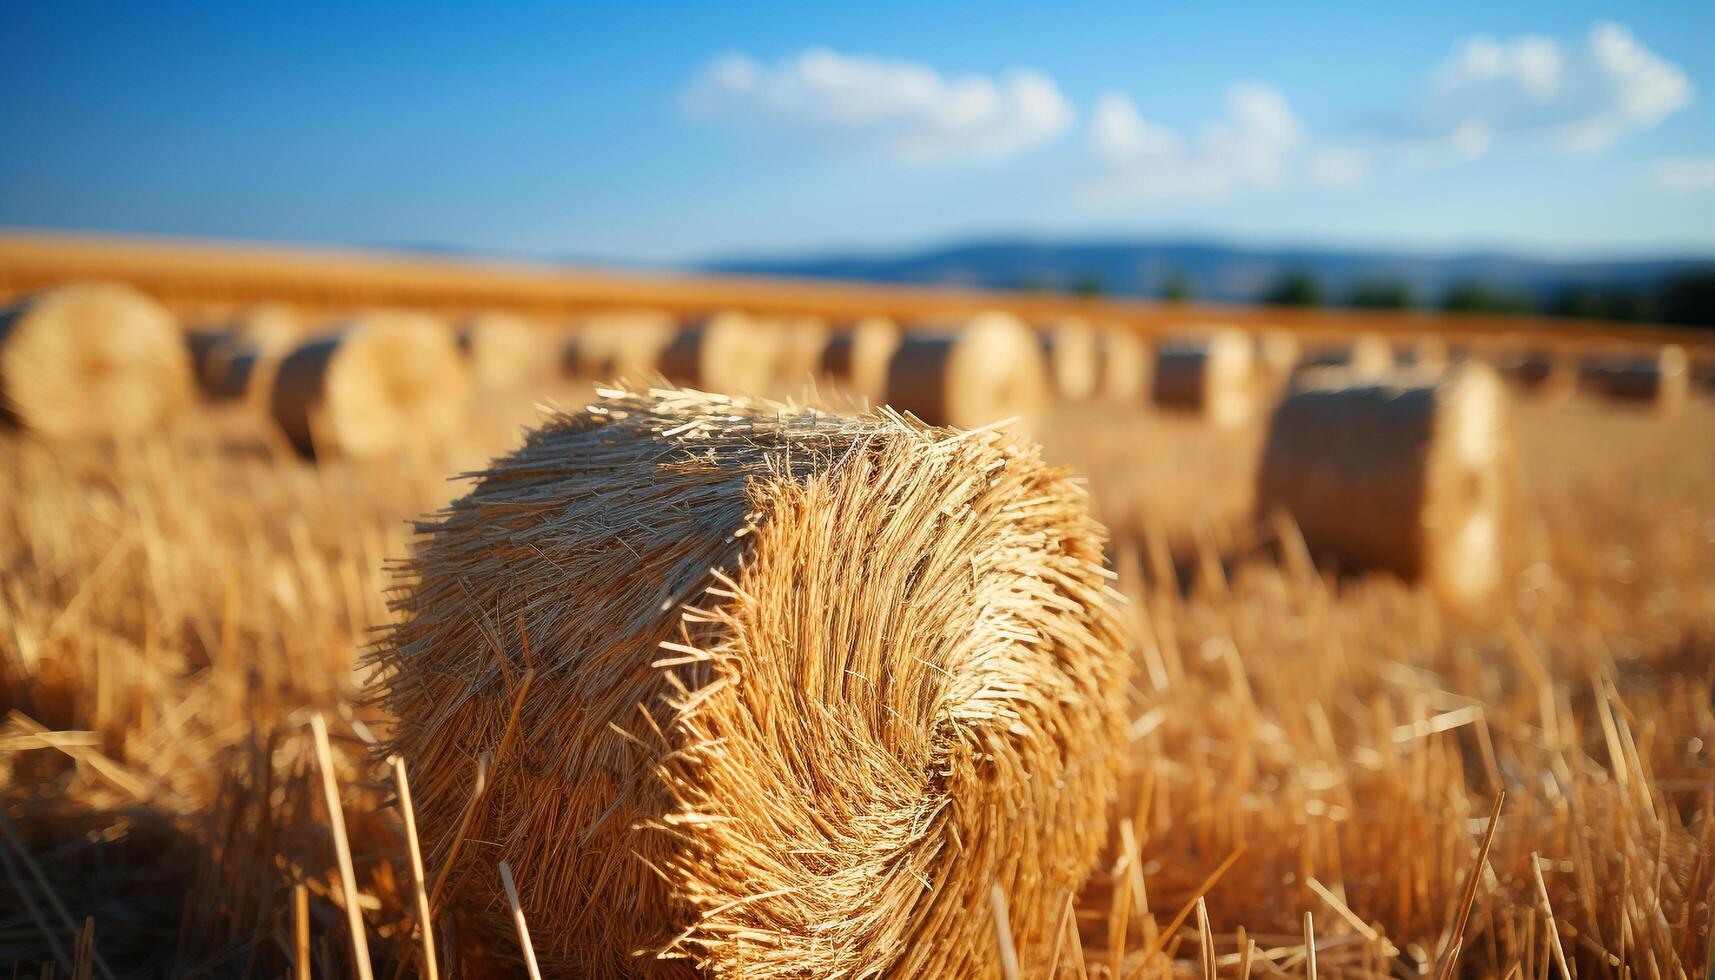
(970, 373)
(729, 352)
(380, 383)
(1069, 345)
(91, 360)
(1661, 379)
(619, 344)
(1126, 363)
(505, 351)
(857, 355)
(1213, 377)
(806, 686)
(1408, 474)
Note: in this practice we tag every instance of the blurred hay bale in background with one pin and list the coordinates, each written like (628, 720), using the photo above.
(1277, 355)
(802, 340)
(1660, 379)
(1126, 365)
(970, 373)
(1069, 345)
(857, 355)
(236, 356)
(1426, 353)
(728, 353)
(1368, 355)
(381, 382)
(1408, 474)
(1213, 376)
(505, 352)
(901, 684)
(91, 360)
(619, 344)
(1547, 373)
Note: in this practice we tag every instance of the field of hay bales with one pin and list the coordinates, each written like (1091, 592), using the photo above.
(1320, 770)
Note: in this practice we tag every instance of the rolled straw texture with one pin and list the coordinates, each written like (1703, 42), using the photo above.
(1070, 346)
(505, 352)
(91, 360)
(729, 353)
(857, 356)
(1410, 474)
(1211, 376)
(806, 687)
(970, 373)
(380, 383)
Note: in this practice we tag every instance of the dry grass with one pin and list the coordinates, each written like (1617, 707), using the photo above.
(1305, 755)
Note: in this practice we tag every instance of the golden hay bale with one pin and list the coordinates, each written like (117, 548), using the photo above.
(1070, 346)
(381, 382)
(969, 373)
(620, 343)
(802, 340)
(858, 353)
(1369, 355)
(505, 351)
(1212, 376)
(729, 353)
(1126, 363)
(1277, 353)
(1552, 374)
(1661, 379)
(1426, 353)
(91, 360)
(271, 329)
(806, 687)
(1408, 474)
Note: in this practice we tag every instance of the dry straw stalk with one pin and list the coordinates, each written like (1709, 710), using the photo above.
(810, 686)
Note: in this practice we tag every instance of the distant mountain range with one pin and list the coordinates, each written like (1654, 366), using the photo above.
(1215, 271)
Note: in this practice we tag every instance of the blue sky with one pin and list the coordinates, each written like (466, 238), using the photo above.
(665, 132)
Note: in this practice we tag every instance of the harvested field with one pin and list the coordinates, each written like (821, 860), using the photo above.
(1305, 752)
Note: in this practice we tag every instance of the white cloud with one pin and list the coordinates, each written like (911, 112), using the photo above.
(1251, 146)
(1686, 173)
(1581, 99)
(905, 110)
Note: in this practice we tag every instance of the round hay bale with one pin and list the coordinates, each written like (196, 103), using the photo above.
(1212, 377)
(806, 687)
(1409, 475)
(1551, 374)
(620, 344)
(380, 383)
(802, 339)
(505, 351)
(270, 329)
(1369, 355)
(1661, 379)
(1427, 353)
(91, 360)
(1070, 346)
(728, 353)
(857, 356)
(1277, 352)
(969, 373)
(1127, 364)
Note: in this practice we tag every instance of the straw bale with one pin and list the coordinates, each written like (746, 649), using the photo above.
(381, 382)
(1428, 353)
(1368, 355)
(857, 355)
(1211, 376)
(1409, 474)
(1070, 346)
(969, 373)
(1661, 379)
(1126, 364)
(805, 688)
(802, 339)
(505, 351)
(620, 344)
(91, 360)
(1277, 352)
(1552, 374)
(729, 352)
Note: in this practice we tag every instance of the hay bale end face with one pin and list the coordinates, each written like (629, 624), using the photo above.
(1127, 364)
(806, 688)
(91, 360)
(970, 373)
(619, 344)
(1213, 377)
(857, 355)
(728, 352)
(505, 351)
(380, 383)
(802, 341)
(1409, 475)
(1070, 345)
(1661, 379)
(1367, 356)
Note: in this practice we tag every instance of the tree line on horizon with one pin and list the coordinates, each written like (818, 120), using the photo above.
(1682, 299)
